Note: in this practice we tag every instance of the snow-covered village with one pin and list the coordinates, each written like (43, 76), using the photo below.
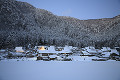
(59, 39)
(66, 53)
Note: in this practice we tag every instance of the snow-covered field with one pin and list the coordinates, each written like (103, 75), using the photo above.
(59, 70)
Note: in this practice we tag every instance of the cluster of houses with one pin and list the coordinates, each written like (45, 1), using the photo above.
(105, 53)
(67, 53)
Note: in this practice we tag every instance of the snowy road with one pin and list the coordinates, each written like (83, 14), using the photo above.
(58, 70)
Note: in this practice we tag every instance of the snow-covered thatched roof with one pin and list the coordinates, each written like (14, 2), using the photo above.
(105, 48)
(19, 49)
(51, 49)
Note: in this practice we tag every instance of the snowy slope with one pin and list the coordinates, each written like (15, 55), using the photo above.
(52, 70)
(22, 24)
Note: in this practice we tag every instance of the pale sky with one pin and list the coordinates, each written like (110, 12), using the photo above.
(81, 9)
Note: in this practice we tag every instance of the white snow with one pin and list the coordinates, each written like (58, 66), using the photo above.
(92, 50)
(85, 52)
(52, 56)
(59, 58)
(82, 58)
(114, 51)
(2, 50)
(51, 49)
(19, 49)
(18, 53)
(105, 49)
(99, 51)
(59, 70)
(90, 47)
(106, 54)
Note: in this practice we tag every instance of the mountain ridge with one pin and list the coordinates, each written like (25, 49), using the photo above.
(30, 25)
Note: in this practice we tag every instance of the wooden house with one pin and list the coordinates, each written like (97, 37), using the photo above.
(47, 52)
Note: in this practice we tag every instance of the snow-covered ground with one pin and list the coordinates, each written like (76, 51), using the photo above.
(59, 70)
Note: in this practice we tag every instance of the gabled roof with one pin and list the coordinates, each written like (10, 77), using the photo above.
(51, 49)
(105, 48)
(91, 50)
(19, 49)
(114, 51)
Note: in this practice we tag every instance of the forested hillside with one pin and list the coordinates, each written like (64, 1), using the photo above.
(22, 24)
